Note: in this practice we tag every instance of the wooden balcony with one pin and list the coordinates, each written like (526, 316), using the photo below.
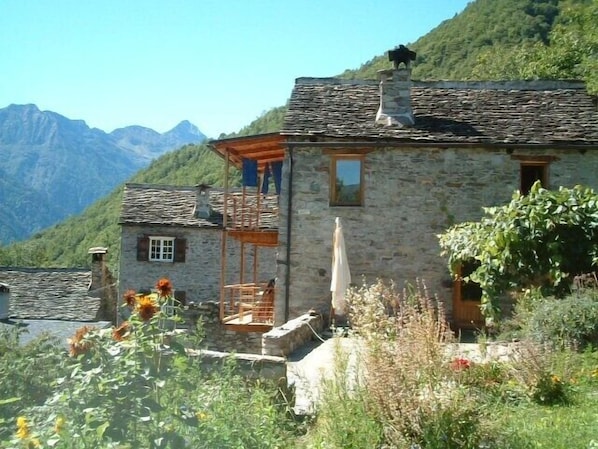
(248, 307)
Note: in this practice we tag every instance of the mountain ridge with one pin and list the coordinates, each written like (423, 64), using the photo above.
(60, 166)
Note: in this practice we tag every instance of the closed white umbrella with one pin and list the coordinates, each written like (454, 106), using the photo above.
(341, 275)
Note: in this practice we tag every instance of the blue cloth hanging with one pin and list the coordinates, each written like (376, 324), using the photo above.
(277, 173)
(250, 178)
(266, 179)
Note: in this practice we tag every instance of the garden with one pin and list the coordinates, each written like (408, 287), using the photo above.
(136, 386)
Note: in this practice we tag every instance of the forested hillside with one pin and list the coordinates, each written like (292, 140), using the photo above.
(490, 39)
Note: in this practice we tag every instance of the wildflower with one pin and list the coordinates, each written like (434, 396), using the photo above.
(595, 373)
(77, 344)
(129, 297)
(164, 287)
(460, 363)
(201, 416)
(147, 308)
(22, 428)
(59, 424)
(34, 443)
(555, 379)
(121, 332)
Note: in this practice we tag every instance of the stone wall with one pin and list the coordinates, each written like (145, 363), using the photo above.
(199, 276)
(217, 336)
(411, 195)
(283, 340)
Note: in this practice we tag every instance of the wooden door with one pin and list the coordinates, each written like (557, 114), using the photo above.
(467, 300)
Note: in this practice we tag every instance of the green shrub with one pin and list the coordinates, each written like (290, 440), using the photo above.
(570, 321)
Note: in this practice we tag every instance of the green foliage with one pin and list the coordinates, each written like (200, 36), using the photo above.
(570, 53)
(135, 386)
(565, 322)
(27, 372)
(451, 50)
(539, 240)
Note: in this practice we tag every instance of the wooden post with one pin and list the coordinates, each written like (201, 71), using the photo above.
(255, 260)
(241, 280)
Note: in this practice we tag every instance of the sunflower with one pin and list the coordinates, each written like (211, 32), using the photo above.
(129, 298)
(147, 308)
(22, 428)
(164, 287)
(77, 345)
(121, 332)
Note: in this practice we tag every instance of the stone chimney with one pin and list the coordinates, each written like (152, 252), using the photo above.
(202, 205)
(4, 301)
(395, 90)
(103, 284)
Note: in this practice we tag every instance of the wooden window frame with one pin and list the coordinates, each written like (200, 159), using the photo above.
(163, 256)
(334, 159)
(544, 179)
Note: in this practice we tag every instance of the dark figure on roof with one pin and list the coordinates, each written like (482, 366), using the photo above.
(401, 54)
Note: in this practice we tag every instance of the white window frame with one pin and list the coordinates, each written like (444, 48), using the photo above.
(161, 249)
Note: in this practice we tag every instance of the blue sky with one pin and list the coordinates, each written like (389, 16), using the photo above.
(217, 63)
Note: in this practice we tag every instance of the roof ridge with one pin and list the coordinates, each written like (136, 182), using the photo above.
(466, 84)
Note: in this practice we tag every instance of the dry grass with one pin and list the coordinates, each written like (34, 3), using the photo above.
(407, 376)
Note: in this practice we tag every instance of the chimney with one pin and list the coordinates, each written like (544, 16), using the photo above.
(102, 284)
(98, 269)
(4, 301)
(395, 86)
(202, 205)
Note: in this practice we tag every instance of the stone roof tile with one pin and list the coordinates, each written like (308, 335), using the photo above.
(560, 113)
(163, 205)
(52, 293)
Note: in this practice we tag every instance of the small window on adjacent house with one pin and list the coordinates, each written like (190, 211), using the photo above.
(346, 187)
(161, 249)
(532, 172)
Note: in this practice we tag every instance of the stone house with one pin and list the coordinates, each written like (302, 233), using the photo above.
(399, 161)
(176, 232)
(59, 300)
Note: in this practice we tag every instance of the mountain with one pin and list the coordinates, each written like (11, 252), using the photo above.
(454, 49)
(54, 167)
(150, 144)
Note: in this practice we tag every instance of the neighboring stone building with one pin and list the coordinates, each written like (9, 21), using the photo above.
(59, 300)
(400, 161)
(176, 232)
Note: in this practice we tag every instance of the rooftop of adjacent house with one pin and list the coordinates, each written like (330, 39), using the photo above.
(50, 294)
(164, 205)
(487, 113)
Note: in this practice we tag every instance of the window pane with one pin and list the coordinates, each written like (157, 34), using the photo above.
(154, 249)
(167, 249)
(348, 181)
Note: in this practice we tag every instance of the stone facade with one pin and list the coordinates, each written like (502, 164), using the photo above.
(199, 276)
(411, 194)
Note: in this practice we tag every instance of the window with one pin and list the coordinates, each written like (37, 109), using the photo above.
(346, 178)
(532, 172)
(161, 249)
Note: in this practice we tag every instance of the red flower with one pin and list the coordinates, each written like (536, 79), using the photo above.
(129, 298)
(147, 308)
(77, 345)
(460, 364)
(164, 287)
(121, 332)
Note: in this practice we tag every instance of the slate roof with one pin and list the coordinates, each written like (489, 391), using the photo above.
(517, 113)
(50, 293)
(163, 205)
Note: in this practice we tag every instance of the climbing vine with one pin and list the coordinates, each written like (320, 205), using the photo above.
(541, 240)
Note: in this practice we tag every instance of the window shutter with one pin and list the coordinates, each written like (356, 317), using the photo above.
(180, 246)
(142, 248)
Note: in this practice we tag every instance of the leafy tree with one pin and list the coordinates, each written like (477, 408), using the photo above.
(537, 240)
(571, 51)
